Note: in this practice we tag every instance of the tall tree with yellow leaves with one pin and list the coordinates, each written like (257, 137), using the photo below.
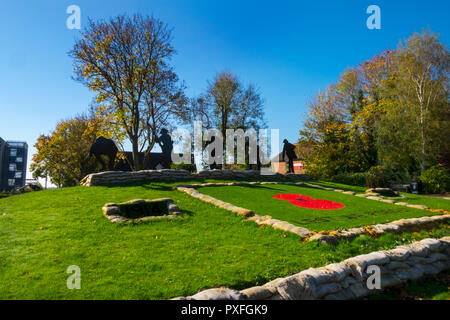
(125, 61)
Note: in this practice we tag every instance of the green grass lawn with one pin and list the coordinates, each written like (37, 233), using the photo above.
(43, 233)
(357, 211)
(431, 202)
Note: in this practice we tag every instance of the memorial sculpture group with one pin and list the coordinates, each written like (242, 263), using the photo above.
(163, 160)
(107, 147)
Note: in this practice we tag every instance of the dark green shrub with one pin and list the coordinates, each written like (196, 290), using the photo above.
(399, 176)
(36, 187)
(376, 177)
(191, 167)
(29, 187)
(379, 177)
(435, 180)
(384, 177)
(352, 179)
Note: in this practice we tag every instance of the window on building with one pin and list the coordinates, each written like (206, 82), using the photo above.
(12, 167)
(13, 152)
(11, 182)
(19, 159)
(18, 175)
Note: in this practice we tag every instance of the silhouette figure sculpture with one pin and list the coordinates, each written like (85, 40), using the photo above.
(166, 144)
(107, 147)
(213, 165)
(289, 151)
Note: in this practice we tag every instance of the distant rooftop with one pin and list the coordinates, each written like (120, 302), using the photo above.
(17, 143)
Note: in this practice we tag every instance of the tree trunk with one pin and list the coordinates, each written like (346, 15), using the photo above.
(147, 154)
(136, 162)
(422, 129)
(224, 134)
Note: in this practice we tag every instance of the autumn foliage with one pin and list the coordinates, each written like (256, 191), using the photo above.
(63, 155)
(125, 61)
(390, 111)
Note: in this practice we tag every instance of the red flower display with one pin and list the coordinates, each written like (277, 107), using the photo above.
(308, 202)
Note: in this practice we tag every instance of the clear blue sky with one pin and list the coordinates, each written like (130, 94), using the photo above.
(290, 49)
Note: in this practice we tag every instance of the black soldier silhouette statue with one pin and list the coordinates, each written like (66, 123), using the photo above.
(213, 165)
(166, 144)
(289, 151)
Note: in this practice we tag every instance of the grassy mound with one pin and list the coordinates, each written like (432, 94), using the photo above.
(43, 233)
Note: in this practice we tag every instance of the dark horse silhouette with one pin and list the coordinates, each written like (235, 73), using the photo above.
(107, 147)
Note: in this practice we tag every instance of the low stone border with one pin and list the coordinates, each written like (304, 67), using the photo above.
(347, 279)
(325, 237)
(396, 227)
(116, 177)
(112, 211)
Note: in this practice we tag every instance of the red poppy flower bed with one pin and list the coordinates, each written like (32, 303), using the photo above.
(311, 208)
(308, 202)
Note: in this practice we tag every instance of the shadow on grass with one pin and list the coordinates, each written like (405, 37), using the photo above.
(187, 213)
(156, 187)
(242, 284)
(259, 186)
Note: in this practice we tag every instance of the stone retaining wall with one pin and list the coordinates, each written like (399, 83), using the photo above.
(116, 177)
(347, 279)
(325, 237)
(396, 227)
